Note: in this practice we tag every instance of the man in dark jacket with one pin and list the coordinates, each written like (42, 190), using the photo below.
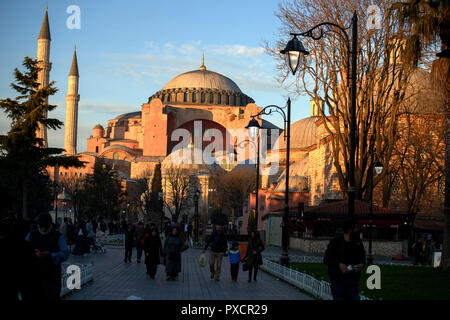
(129, 241)
(219, 244)
(345, 257)
(51, 250)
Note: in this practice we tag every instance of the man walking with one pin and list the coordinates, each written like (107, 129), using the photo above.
(90, 233)
(51, 250)
(129, 240)
(345, 258)
(139, 234)
(218, 241)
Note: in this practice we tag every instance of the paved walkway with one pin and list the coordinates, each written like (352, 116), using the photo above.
(115, 280)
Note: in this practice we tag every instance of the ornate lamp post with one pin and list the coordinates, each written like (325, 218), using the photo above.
(196, 196)
(253, 128)
(378, 169)
(295, 54)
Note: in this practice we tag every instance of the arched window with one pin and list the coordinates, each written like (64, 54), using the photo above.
(219, 98)
(194, 97)
(185, 97)
(227, 99)
(234, 100)
(202, 98)
(162, 98)
(211, 98)
(168, 97)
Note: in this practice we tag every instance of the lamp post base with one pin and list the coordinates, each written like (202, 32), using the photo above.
(369, 259)
(284, 260)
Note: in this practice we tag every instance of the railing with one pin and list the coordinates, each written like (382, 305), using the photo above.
(86, 276)
(316, 259)
(320, 289)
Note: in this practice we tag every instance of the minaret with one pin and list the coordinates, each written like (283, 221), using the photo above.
(72, 98)
(43, 58)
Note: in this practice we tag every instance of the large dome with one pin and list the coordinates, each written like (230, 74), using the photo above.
(303, 134)
(202, 87)
(202, 79)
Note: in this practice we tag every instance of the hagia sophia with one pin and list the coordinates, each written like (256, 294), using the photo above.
(134, 142)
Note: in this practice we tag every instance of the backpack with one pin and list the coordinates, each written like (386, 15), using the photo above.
(143, 238)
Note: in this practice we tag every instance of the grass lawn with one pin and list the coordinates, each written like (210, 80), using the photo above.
(397, 282)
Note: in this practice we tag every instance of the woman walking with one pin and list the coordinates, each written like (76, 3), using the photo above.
(253, 255)
(153, 250)
(173, 247)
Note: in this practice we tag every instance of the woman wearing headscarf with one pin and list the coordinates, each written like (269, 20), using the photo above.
(173, 247)
(153, 251)
(253, 255)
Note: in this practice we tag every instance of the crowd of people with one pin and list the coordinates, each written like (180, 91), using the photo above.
(36, 252)
(423, 251)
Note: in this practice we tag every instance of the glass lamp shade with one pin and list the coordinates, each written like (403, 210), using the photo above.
(253, 128)
(295, 53)
(378, 167)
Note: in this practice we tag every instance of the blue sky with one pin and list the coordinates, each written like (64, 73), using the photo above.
(128, 50)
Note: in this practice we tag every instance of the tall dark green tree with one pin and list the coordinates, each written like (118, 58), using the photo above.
(23, 157)
(155, 202)
(103, 194)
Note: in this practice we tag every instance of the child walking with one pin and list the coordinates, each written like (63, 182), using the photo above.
(235, 257)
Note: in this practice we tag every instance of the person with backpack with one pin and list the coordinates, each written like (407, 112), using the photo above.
(51, 250)
(235, 258)
(345, 258)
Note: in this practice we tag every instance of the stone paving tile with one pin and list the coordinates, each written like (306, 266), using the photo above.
(115, 280)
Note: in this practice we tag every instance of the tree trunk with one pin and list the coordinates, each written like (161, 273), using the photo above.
(445, 259)
(442, 75)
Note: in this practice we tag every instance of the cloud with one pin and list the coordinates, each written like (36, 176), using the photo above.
(234, 50)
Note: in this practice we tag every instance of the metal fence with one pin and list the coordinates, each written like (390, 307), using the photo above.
(317, 259)
(86, 276)
(319, 289)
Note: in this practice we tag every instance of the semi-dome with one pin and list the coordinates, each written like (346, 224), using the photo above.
(303, 134)
(202, 87)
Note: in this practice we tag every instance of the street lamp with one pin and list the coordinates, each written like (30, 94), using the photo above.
(378, 169)
(196, 196)
(253, 128)
(295, 54)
